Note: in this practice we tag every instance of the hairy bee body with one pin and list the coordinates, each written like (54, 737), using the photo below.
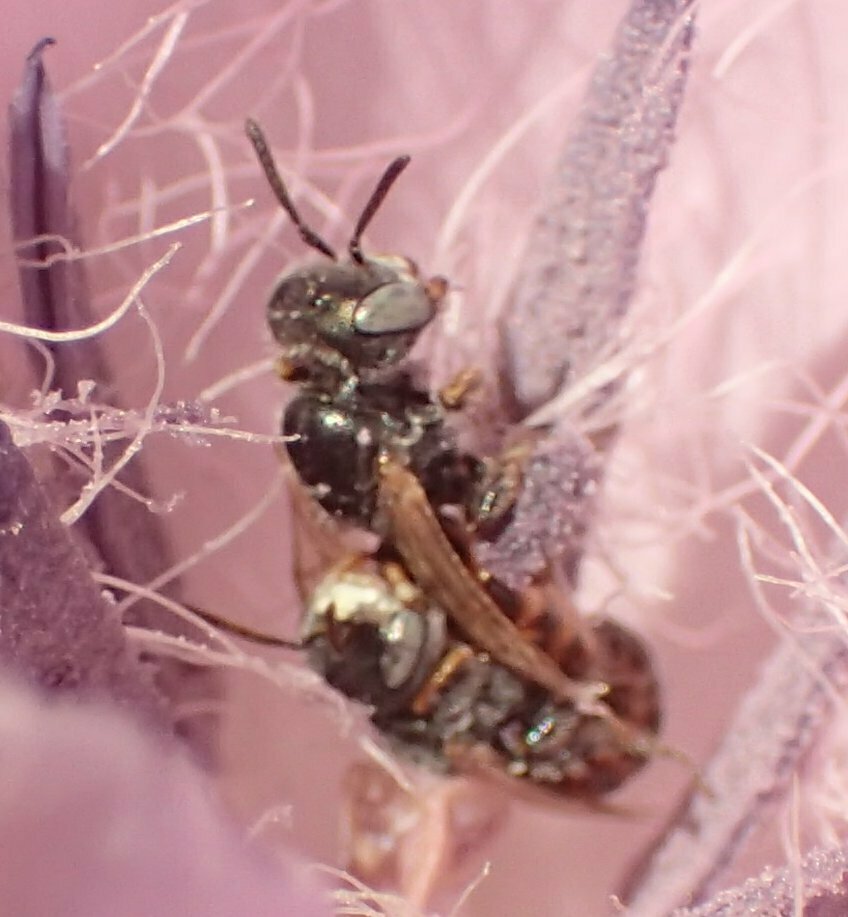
(457, 674)
(445, 705)
(335, 442)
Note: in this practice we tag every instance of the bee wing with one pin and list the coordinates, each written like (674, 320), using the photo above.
(319, 542)
(440, 573)
(484, 763)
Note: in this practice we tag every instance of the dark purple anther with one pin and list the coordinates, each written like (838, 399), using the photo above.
(122, 532)
(775, 727)
(125, 536)
(582, 255)
(819, 883)
(55, 628)
(579, 275)
(39, 171)
(551, 513)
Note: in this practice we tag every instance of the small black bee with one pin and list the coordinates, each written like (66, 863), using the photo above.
(442, 703)
(458, 674)
(343, 327)
(369, 445)
(465, 676)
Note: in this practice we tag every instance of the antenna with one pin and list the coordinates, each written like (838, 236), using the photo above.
(377, 196)
(242, 630)
(266, 160)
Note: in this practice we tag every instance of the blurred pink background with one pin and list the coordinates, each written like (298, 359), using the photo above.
(745, 240)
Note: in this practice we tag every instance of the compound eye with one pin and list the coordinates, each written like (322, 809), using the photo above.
(393, 308)
(404, 638)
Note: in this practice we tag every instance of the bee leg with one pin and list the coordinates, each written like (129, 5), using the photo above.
(334, 633)
(242, 630)
(406, 592)
(491, 502)
(298, 362)
(444, 672)
(531, 610)
(454, 395)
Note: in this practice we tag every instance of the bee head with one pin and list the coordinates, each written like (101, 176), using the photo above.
(358, 314)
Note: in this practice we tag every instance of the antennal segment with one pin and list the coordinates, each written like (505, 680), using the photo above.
(242, 630)
(389, 177)
(266, 160)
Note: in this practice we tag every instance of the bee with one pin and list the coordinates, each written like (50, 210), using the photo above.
(358, 412)
(342, 328)
(461, 673)
(379, 630)
(442, 702)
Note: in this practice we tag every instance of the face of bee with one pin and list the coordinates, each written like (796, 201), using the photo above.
(352, 317)
(335, 320)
